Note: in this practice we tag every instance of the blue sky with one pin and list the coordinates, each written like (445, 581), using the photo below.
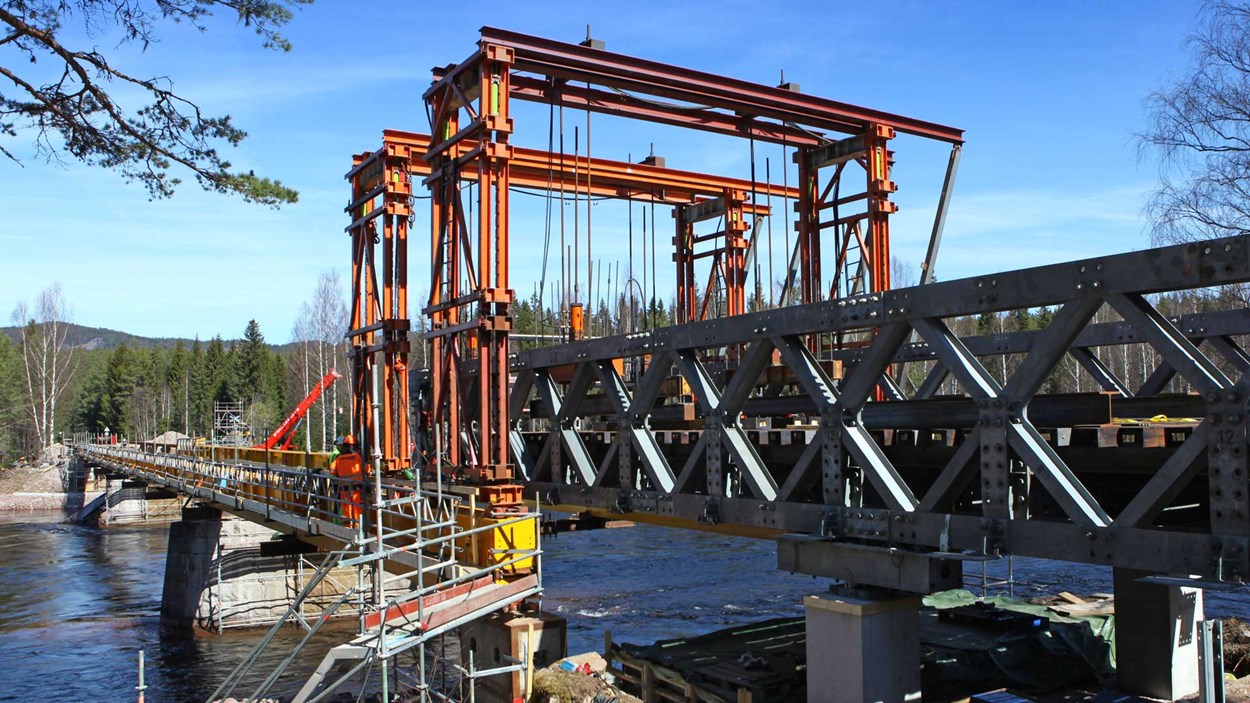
(1049, 94)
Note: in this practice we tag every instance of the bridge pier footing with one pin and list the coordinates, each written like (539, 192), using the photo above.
(223, 572)
(863, 646)
(1156, 637)
(190, 554)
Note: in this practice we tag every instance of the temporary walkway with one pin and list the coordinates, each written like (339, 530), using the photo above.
(450, 561)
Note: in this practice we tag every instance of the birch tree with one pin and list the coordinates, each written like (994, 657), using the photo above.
(48, 360)
(1199, 124)
(320, 330)
(301, 334)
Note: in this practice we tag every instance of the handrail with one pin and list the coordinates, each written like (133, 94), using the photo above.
(314, 496)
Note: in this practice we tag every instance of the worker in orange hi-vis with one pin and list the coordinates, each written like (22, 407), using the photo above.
(347, 469)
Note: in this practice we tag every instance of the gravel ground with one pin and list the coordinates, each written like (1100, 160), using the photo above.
(31, 479)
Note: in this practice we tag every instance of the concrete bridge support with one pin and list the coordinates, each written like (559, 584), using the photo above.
(501, 639)
(863, 646)
(1156, 633)
(192, 549)
(223, 572)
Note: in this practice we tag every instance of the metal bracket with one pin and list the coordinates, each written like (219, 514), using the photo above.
(994, 540)
(711, 512)
(831, 523)
(1232, 560)
(867, 523)
(623, 503)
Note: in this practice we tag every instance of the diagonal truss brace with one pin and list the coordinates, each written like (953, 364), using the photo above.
(564, 414)
(1004, 416)
(722, 411)
(633, 412)
(840, 419)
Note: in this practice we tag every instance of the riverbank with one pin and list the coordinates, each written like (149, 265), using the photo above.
(52, 485)
(40, 486)
(43, 479)
(31, 502)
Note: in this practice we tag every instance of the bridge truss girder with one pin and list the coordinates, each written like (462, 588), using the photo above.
(844, 484)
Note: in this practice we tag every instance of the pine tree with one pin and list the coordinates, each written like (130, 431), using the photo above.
(218, 376)
(253, 364)
(199, 391)
(118, 387)
(178, 377)
(11, 417)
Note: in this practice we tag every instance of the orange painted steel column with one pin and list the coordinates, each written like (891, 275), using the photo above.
(735, 252)
(879, 163)
(807, 228)
(379, 326)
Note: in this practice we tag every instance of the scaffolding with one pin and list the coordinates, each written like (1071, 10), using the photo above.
(428, 558)
(229, 428)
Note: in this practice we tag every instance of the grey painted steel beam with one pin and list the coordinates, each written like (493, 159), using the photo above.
(896, 569)
(656, 466)
(1002, 453)
(1104, 334)
(1166, 551)
(1174, 347)
(722, 417)
(1167, 482)
(1106, 380)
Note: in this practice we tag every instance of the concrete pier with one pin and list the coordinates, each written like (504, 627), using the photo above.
(863, 647)
(217, 575)
(1156, 638)
(189, 559)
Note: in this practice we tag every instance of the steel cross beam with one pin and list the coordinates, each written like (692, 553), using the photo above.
(544, 170)
(996, 475)
(571, 62)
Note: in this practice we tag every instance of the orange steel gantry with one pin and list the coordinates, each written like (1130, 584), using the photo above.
(469, 307)
(380, 208)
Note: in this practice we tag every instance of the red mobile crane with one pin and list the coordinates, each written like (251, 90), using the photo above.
(285, 432)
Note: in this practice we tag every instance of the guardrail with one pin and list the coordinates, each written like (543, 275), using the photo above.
(406, 518)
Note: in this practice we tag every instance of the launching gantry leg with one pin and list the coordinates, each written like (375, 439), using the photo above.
(470, 298)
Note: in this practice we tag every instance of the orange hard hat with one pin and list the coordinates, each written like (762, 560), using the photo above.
(349, 439)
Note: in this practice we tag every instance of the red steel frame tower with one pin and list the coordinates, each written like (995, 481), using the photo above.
(380, 207)
(471, 164)
(470, 301)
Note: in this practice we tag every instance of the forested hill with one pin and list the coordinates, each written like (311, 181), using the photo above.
(92, 338)
(139, 387)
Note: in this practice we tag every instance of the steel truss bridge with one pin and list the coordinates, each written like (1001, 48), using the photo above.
(995, 470)
(785, 423)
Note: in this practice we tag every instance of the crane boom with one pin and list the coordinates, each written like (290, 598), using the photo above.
(285, 432)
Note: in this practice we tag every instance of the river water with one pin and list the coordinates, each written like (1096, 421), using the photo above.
(77, 603)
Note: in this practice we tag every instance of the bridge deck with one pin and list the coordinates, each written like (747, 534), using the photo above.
(450, 553)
